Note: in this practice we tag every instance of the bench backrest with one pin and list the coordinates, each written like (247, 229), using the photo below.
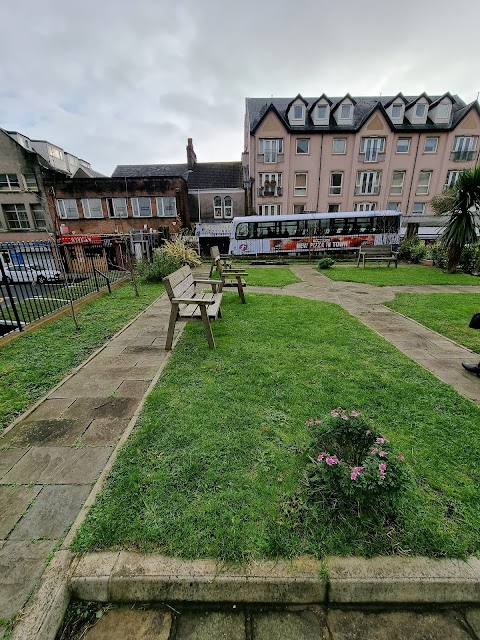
(180, 284)
(377, 249)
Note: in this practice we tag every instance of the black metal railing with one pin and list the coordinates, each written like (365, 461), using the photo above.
(38, 278)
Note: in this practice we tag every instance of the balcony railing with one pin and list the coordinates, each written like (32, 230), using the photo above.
(371, 156)
(269, 191)
(462, 156)
(367, 191)
(270, 157)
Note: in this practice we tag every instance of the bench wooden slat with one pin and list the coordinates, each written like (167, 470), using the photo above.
(231, 277)
(377, 252)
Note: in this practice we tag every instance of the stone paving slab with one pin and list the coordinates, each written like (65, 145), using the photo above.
(94, 408)
(132, 624)
(304, 624)
(52, 513)
(73, 388)
(104, 431)
(58, 465)
(211, 625)
(132, 389)
(50, 408)
(13, 502)
(20, 567)
(395, 625)
(8, 457)
(45, 433)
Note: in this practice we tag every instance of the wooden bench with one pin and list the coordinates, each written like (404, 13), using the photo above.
(231, 277)
(215, 254)
(377, 252)
(188, 303)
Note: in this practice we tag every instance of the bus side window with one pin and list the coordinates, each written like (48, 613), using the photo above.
(242, 231)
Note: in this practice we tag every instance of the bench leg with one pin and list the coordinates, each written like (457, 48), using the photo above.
(208, 328)
(240, 289)
(212, 265)
(171, 327)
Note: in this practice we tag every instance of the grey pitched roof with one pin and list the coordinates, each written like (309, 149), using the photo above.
(151, 171)
(216, 175)
(87, 172)
(364, 107)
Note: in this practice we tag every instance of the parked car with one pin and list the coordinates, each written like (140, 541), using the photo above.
(23, 273)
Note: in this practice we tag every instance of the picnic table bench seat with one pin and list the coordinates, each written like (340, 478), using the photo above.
(231, 277)
(215, 255)
(377, 252)
(187, 302)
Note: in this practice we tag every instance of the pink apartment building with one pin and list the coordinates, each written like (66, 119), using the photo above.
(357, 154)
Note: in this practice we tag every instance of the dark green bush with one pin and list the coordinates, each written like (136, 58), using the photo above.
(161, 266)
(325, 263)
(470, 259)
(412, 250)
(439, 255)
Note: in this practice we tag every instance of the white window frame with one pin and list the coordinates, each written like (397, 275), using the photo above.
(269, 178)
(397, 105)
(342, 108)
(300, 190)
(65, 209)
(217, 207)
(161, 207)
(331, 207)
(294, 110)
(35, 209)
(339, 153)
(371, 147)
(137, 210)
(299, 208)
(20, 212)
(228, 207)
(90, 210)
(368, 183)
(422, 204)
(396, 187)
(335, 189)
(302, 153)
(270, 209)
(30, 181)
(365, 206)
(451, 179)
(423, 186)
(425, 144)
(9, 180)
(322, 106)
(447, 106)
(270, 148)
(56, 152)
(409, 141)
(116, 209)
(393, 206)
(424, 110)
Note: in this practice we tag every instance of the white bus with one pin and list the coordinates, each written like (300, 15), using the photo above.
(341, 231)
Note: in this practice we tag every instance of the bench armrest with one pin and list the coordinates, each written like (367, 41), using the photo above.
(234, 272)
(207, 281)
(192, 301)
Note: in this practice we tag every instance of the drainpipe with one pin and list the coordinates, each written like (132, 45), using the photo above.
(413, 175)
(319, 172)
(198, 199)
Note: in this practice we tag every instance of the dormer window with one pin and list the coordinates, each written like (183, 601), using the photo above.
(297, 112)
(321, 111)
(420, 110)
(345, 112)
(397, 111)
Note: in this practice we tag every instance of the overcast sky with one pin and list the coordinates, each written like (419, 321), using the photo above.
(127, 82)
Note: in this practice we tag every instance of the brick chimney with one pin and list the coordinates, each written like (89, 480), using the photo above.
(191, 157)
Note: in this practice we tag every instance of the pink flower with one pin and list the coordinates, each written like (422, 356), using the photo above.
(355, 472)
(322, 456)
(332, 460)
(382, 467)
(400, 457)
(382, 454)
(334, 414)
(309, 423)
(368, 432)
(344, 417)
(318, 422)
(355, 414)
(381, 440)
(373, 452)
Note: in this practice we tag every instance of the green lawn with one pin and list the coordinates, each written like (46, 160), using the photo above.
(267, 276)
(33, 363)
(215, 467)
(382, 276)
(446, 313)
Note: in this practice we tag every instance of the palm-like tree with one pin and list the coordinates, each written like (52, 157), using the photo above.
(462, 205)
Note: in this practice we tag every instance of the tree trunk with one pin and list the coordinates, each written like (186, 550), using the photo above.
(454, 254)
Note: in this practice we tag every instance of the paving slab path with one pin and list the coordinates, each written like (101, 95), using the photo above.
(51, 458)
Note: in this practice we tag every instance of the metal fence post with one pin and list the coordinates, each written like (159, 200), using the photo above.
(10, 297)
